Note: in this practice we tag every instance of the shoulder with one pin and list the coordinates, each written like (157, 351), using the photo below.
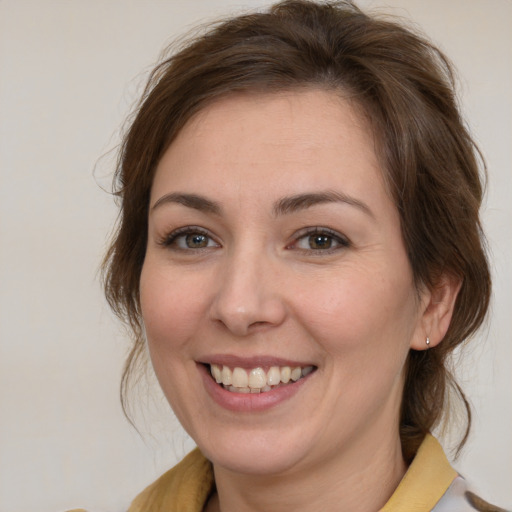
(184, 488)
(431, 484)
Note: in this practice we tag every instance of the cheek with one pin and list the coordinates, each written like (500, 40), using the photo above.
(171, 307)
(363, 327)
(360, 313)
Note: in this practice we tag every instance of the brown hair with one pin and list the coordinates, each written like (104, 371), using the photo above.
(403, 84)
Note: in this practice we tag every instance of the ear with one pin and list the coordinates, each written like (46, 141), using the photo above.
(436, 312)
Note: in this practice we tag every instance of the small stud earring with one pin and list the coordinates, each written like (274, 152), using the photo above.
(428, 342)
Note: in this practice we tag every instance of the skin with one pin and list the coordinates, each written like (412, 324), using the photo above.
(258, 288)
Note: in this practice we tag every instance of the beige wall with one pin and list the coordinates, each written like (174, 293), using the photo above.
(69, 70)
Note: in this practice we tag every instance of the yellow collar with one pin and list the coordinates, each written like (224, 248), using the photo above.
(425, 482)
(184, 488)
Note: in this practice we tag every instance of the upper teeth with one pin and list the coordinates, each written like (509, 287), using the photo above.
(256, 379)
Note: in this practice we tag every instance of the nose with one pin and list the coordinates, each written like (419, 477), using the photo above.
(248, 297)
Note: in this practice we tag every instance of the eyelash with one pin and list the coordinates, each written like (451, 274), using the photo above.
(171, 240)
(341, 241)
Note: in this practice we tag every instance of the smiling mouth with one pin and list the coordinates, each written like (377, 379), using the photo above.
(257, 380)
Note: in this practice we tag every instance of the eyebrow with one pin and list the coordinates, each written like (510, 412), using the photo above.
(292, 204)
(190, 201)
(283, 206)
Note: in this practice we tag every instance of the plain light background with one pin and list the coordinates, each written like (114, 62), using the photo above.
(69, 73)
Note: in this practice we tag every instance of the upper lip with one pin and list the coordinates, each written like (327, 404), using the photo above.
(234, 361)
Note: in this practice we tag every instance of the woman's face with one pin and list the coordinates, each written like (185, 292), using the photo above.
(273, 246)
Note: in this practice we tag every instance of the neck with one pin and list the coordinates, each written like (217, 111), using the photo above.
(360, 480)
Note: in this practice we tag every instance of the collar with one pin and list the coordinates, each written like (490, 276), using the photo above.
(425, 482)
(184, 488)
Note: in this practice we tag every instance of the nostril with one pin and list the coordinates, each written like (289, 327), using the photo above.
(257, 324)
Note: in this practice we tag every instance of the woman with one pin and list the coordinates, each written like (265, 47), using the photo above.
(300, 247)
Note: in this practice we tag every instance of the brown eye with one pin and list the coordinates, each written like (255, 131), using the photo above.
(196, 241)
(320, 242)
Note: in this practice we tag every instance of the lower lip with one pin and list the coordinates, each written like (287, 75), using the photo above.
(249, 402)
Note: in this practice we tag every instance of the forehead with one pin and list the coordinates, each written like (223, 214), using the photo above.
(295, 139)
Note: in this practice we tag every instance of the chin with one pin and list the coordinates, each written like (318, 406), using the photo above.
(255, 453)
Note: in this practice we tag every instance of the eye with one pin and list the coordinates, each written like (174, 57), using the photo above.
(193, 241)
(189, 238)
(321, 240)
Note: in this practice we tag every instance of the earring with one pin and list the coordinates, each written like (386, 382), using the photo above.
(428, 342)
